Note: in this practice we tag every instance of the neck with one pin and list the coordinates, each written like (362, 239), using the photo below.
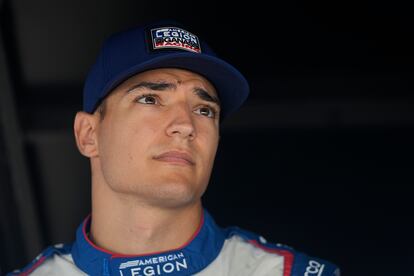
(123, 226)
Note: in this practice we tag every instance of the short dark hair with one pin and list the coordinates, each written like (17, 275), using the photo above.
(101, 109)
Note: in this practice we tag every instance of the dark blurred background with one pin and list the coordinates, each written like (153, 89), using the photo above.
(320, 157)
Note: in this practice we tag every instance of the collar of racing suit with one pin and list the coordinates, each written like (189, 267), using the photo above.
(189, 259)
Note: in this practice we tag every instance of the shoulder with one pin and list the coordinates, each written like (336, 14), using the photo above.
(49, 262)
(294, 263)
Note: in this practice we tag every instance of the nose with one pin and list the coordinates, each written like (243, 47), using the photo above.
(181, 124)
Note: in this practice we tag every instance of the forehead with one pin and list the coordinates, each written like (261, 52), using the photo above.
(172, 75)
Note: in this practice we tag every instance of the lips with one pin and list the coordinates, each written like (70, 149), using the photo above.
(176, 157)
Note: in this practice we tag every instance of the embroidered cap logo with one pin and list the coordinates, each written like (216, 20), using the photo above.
(174, 38)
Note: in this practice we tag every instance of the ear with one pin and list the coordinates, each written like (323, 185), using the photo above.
(85, 126)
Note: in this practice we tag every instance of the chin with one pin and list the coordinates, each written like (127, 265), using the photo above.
(176, 194)
(168, 194)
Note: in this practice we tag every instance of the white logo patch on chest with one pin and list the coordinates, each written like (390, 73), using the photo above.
(154, 266)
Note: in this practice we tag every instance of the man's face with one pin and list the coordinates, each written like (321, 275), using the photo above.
(159, 136)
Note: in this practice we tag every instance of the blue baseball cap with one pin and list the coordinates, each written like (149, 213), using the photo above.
(166, 44)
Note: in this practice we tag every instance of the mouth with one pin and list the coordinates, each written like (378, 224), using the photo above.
(176, 157)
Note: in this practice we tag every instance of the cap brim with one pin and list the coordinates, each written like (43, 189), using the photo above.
(231, 86)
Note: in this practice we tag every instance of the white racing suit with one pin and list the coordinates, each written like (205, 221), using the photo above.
(212, 251)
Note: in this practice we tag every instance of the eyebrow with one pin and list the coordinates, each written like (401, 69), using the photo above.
(162, 86)
(204, 95)
(158, 86)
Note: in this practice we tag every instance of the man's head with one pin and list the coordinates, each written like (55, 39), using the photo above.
(158, 137)
(152, 106)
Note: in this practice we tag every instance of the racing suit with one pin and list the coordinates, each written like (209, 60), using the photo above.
(212, 251)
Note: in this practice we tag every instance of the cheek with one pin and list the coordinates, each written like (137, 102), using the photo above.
(126, 138)
(208, 143)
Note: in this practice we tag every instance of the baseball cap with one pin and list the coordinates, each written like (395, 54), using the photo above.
(163, 44)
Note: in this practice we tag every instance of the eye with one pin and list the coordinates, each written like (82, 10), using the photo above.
(147, 99)
(206, 111)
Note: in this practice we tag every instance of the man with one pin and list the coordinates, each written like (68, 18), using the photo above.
(153, 103)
